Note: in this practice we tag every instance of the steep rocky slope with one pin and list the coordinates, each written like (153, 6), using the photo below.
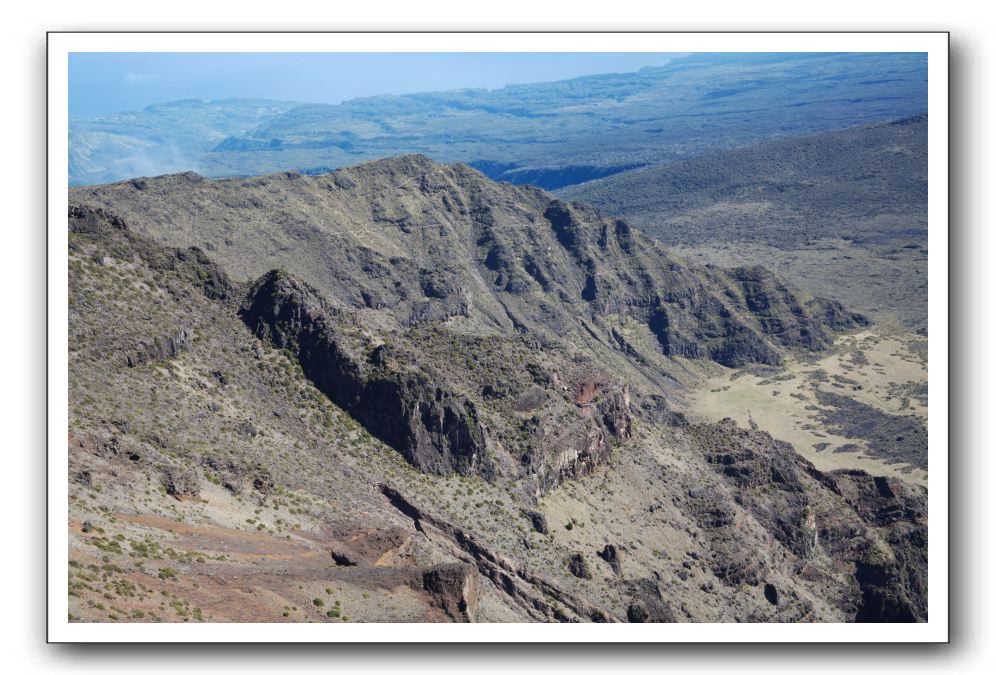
(415, 242)
(866, 183)
(842, 213)
(487, 438)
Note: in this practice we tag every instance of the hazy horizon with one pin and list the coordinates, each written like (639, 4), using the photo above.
(105, 83)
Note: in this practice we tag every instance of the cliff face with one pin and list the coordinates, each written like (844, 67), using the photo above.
(465, 416)
(433, 428)
(160, 348)
(416, 407)
(831, 212)
(395, 267)
(875, 526)
(416, 242)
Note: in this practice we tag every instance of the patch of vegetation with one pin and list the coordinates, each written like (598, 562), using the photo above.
(892, 438)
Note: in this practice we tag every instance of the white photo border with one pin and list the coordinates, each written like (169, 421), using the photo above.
(61, 44)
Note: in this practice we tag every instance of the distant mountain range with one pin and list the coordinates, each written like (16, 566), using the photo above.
(551, 135)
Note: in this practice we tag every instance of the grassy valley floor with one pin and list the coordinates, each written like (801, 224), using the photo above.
(863, 406)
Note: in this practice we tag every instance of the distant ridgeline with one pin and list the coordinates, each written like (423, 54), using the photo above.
(866, 183)
(840, 213)
(551, 134)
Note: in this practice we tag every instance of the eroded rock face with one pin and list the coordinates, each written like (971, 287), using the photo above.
(784, 317)
(238, 477)
(409, 399)
(647, 604)
(874, 526)
(736, 317)
(160, 348)
(615, 411)
(748, 522)
(434, 428)
(91, 220)
(890, 552)
(529, 263)
(180, 482)
(454, 588)
(578, 566)
(575, 451)
(538, 521)
(603, 421)
(610, 554)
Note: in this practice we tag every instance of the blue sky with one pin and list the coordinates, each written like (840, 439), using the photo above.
(113, 82)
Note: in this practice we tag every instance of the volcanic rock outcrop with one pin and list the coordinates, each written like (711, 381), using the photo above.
(405, 392)
(435, 429)
(418, 242)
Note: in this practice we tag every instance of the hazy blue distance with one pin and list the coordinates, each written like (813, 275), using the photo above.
(102, 83)
(551, 133)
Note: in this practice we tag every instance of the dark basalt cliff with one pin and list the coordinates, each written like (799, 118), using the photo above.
(504, 344)
(402, 398)
(435, 429)
(396, 266)
(420, 242)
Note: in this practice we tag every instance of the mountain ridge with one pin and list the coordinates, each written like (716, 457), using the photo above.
(841, 213)
(263, 499)
(492, 257)
(402, 264)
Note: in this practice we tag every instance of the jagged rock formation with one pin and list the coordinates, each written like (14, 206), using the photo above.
(420, 261)
(647, 605)
(876, 525)
(578, 565)
(409, 443)
(161, 347)
(843, 212)
(417, 408)
(610, 554)
(89, 220)
(418, 242)
(435, 429)
(454, 588)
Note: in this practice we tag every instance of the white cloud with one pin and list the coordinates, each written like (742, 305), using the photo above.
(140, 78)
